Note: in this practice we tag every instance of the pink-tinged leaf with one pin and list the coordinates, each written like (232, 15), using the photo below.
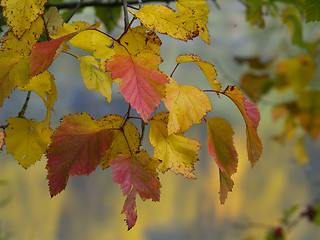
(77, 148)
(141, 83)
(251, 117)
(221, 147)
(44, 53)
(137, 175)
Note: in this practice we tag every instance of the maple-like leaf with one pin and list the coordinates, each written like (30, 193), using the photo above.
(94, 77)
(27, 140)
(206, 67)
(162, 19)
(126, 138)
(200, 15)
(136, 174)
(138, 40)
(44, 53)
(2, 135)
(77, 148)
(14, 72)
(187, 105)
(251, 116)
(91, 41)
(53, 20)
(141, 83)
(175, 151)
(221, 147)
(21, 13)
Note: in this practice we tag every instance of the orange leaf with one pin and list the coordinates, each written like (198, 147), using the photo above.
(137, 175)
(77, 148)
(140, 81)
(221, 147)
(251, 116)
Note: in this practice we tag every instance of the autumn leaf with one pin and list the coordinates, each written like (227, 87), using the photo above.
(251, 116)
(94, 77)
(44, 53)
(206, 67)
(295, 73)
(136, 174)
(175, 151)
(162, 19)
(138, 40)
(77, 148)
(187, 105)
(201, 11)
(27, 140)
(14, 72)
(21, 13)
(2, 135)
(221, 147)
(126, 138)
(141, 83)
(90, 40)
(312, 9)
(53, 20)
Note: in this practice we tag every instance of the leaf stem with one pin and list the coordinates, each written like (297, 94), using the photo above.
(74, 10)
(70, 54)
(174, 69)
(125, 13)
(25, 105)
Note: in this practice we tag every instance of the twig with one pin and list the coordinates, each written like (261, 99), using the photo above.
(25, 105)
(216, 4)
(74, 10)
(125, 13)
(69, 5)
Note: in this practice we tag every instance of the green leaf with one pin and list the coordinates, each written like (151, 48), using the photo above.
(312, 10)
(109, 16)
(316, 218)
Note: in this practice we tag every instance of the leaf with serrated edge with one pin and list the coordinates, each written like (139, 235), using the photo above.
(206, 67)
(77, 148)
(2, 135)
(136, 174)
(201, 11)
(27, 140)
(175, 151)
(187, 105)
(141, 83)
(53, 20)
(94, 77)
(251, 116)
(221, 147)
(162, 19)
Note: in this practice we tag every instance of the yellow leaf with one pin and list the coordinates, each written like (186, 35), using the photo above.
(206, 67)
(23, 44)
(300, 152)
(295, 73)
(162, 19)
(187, 105)
(125, 141)
(176, 152)
(138, 40)
(43, 84)
(27, 140)
(53, 20)
(21, 13)
(14, 71)
(2, 135)
(201, 11)
(94, 77)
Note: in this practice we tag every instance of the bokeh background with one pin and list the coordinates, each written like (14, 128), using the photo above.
(90, 207)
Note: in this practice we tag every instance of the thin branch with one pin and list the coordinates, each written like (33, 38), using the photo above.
(74, 10)
(216, 4)
(125, 13)
(25, 105)
(69, 5)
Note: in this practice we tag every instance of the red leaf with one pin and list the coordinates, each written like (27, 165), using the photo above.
(140, 81)
(251, 116)
(44, 53)
(137, 175)
(77, 147)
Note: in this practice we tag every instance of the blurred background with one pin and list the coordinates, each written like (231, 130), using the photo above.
(90, 207)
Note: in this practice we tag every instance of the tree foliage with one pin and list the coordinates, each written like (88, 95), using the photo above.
(37, 35)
